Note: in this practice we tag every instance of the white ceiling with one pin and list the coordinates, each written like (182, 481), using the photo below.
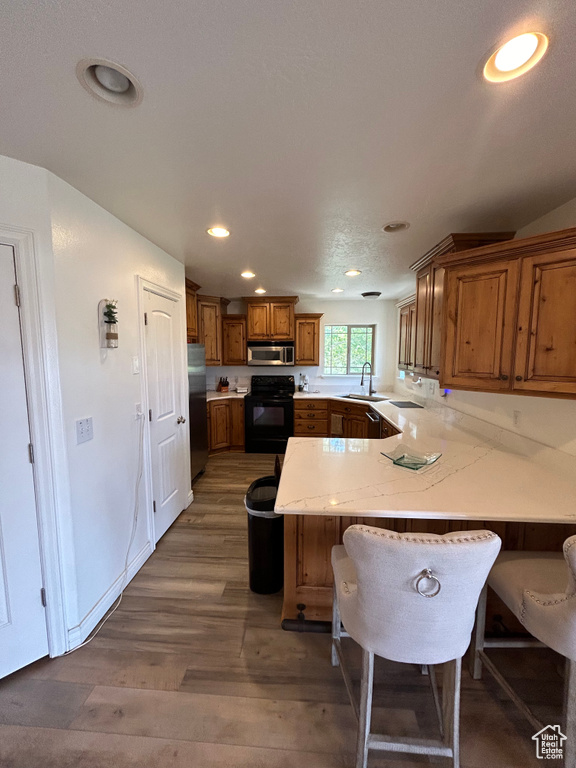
(301, 125)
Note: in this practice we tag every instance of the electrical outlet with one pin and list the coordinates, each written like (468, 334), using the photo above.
(84, 431)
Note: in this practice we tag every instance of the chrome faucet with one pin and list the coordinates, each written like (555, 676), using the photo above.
(371, 390)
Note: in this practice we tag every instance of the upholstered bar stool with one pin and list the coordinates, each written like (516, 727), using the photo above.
(411, 598)
(540, 590)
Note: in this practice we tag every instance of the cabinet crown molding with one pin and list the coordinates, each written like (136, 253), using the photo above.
(269, 299)
(311, 315)
(459, 241)
(191, 284)
(214, 299)
(404, 302)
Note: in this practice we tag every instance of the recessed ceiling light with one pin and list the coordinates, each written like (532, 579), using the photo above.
(109, 82)
(337, 290)
(260, 290)
(353, 273)
(515, 57)
(218, 232)
(248, 274)
(395, 226)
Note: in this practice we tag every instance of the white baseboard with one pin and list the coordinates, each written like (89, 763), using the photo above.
(190, 497)
(80, 632)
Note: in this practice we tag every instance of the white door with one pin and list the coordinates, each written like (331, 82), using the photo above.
(164, 371)
(23, 636)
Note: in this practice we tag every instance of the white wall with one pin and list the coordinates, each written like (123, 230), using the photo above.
(95, 257)
(336, 311)
(548, 420)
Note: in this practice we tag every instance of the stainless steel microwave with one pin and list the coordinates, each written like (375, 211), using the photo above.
(270, 353)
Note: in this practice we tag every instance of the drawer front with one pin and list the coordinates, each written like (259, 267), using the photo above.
(310, 405)
(354, 409)
(303, 427)
(305, 415)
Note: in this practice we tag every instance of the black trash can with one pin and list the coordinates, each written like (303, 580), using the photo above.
(265, 537)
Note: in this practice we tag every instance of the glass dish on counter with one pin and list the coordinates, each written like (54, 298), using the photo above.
(404, 456)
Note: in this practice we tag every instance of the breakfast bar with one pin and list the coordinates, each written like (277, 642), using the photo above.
(486, 477)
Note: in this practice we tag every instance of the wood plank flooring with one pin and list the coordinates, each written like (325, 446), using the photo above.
(193, 671)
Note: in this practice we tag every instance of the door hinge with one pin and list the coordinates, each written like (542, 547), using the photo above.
(31, 453)
(43, 597)
(154, 506)
(17, 294)
(150, 414)
(145, 318)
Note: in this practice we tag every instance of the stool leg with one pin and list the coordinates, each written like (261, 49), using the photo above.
(366, 687)
(451, 707)
(336, 627)
(570, 714)
(478, 636)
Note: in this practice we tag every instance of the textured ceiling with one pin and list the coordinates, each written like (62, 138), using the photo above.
(303, 126)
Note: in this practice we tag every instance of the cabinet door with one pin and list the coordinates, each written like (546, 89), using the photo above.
(308, 341)
(237, 423)
(435, 321)
(210, 333)
(282, 320)
(219, 425)
(546, 340)
(404, 342)
(420, 329)
(191, 313)
(356, 426)
(480, 317)
(233, 340)
(258, 324)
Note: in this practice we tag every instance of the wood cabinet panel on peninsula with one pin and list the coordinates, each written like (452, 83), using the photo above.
(510, 317)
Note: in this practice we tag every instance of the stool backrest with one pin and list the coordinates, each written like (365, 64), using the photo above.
(394, 619)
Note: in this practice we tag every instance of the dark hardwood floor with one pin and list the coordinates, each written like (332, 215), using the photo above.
(193, 671)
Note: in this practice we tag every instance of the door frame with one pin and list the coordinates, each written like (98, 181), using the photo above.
(143, 285)
(39, 346)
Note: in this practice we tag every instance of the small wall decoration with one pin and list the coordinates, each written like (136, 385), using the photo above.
(108, 322)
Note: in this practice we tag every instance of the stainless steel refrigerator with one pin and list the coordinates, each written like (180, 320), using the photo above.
(197, 408)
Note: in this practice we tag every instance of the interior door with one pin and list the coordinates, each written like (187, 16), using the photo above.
(23, 636)
(163, 338)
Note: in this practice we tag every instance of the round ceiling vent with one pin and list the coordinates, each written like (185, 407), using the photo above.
(109, 82)
(371, 295)
(395, 226)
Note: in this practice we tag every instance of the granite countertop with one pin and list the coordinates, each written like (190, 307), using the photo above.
(212, 395)
(484, 473)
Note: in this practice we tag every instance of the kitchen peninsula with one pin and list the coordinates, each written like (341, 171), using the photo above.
(486, 477)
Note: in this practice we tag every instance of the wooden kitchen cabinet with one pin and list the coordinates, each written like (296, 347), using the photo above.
(426, 326)
(510, 317)
(219, 424)
(405, 344)
(210, 311)
(234, 340)
(271, 318)
(191, 311)
(307, 339)
(236, 423)
(310, 417)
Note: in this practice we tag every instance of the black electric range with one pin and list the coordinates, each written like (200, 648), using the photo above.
(269, 414)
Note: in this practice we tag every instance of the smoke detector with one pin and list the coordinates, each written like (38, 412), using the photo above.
(371, 295)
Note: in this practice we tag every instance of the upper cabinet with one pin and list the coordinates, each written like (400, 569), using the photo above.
(234, 340)
(426, 330)
(271, 318)
(191, 311)
(307, 339)
(405, 344)
(210, 311)
(510, 317)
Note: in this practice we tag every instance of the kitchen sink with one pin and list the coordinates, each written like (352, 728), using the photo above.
(369, 398)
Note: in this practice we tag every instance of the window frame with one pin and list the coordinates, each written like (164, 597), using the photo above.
(348, 327)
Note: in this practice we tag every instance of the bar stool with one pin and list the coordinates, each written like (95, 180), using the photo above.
(540, 590)
(409, 597)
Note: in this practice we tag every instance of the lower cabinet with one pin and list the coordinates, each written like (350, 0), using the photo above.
(225, 425)
(360, 421)
(310, 417)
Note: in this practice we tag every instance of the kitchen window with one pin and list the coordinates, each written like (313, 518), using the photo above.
(347, 348)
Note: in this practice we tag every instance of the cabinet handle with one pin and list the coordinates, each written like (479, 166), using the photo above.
(347, 410)
(518, 378)
(504, 377)
(311, 426)
(310, 405)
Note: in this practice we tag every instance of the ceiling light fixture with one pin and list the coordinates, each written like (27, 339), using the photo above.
(247, 274)
(515, 57)
(353, 273)
(371, 295)
(218, 231)
(260, 290)
(395, 226)
(337, 290)
(109, 82)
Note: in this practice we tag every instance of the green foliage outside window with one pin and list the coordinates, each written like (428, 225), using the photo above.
(347, 348)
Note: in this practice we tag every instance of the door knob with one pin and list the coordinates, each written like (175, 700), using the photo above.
(180, 420)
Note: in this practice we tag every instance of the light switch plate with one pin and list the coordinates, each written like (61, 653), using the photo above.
(84, 430)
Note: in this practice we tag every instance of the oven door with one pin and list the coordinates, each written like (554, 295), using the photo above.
(269, 423)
